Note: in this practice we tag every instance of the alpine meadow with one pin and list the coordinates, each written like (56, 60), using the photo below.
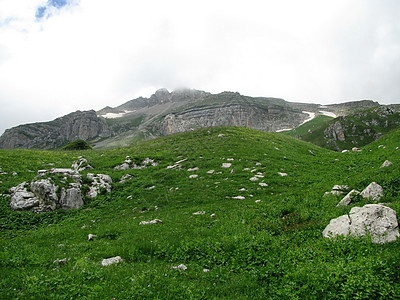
(219, 213)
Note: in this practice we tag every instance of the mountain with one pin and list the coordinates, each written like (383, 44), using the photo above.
(166, 113)
(51, 135)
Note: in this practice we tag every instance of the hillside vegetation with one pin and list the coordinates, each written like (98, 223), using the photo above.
(357, 129)
(266, 245)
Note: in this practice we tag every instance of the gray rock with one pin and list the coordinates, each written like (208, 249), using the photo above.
(226, 165)
(21, 199)
(374, 219)
(60, 261)
(348, 198)
(386, 163)
(99, 181)
(374, 192)
(81, 165)
(112, 260)
(71, 198)
(125, 178)
(378, 220)
(45, 191)
(337, 226)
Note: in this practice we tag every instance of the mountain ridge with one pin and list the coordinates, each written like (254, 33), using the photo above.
(166, 113)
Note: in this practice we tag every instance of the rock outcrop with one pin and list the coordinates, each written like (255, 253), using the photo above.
(372, 219)
(50, 135)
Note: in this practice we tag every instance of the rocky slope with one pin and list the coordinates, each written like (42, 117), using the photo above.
(50, 135)
(166, 113)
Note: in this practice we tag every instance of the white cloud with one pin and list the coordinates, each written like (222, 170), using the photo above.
(96, 53)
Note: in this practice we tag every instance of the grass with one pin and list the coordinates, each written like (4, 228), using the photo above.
(266, 250)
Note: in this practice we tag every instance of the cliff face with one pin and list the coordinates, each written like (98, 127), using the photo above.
(50, 135)
(271, 118)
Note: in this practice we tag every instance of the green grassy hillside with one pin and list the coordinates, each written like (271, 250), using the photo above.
(306, 131)
(357, 129)
(267, 249)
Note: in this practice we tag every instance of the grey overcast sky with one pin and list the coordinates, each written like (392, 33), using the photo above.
(59, 56)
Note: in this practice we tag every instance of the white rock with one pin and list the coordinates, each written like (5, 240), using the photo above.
(180, 267)
(221, 135)
(374, 192)
(226, 165)
(254, 178)
(263, 184)
(337, 226)
(210, 172)
(375, 219)
(242, 190)
(348, 198)
(230, 159)
(193, 169)
(193, 176)
(282, 174)
(91, 237)
(197, 213)
(213, 215)
(386, 164)
(257, 201)
(239, 197)
(112, 260)
(155, 221)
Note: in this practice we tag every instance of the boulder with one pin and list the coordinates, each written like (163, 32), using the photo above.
(45, 191)
(21, 199)
(376, 220)
(374, 192)
(71, 198)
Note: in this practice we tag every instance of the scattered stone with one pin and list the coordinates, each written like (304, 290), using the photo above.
(230, 159)
(91, 237)
(197, 213)
(41, 173)
(81, 164)
(155, 221)
(282, 174)
(263, 184)
(206, 270)
(254, 178)
(242, 190)
(374, 192)
(338, 190)
(257, 201)
(177, 164)
(246, 169)
(99, 182)
(345, 151)
(239, 197)
(155, 207)
(126, 177)
(193, 169)
(213, 215)
(14, 173)
(129, 197)
(128, 164)
(226, 165)
(193, 176)
(180, 267)
(151, 188)
(375, 219)
(259, 175)
(348, 198)
(60, 261)
(112, 260)
(355, 149)
(387, 163)
(258, 164)
(211, 172)
(221, 135)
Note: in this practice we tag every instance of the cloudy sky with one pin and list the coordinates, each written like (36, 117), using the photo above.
(59, 56)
